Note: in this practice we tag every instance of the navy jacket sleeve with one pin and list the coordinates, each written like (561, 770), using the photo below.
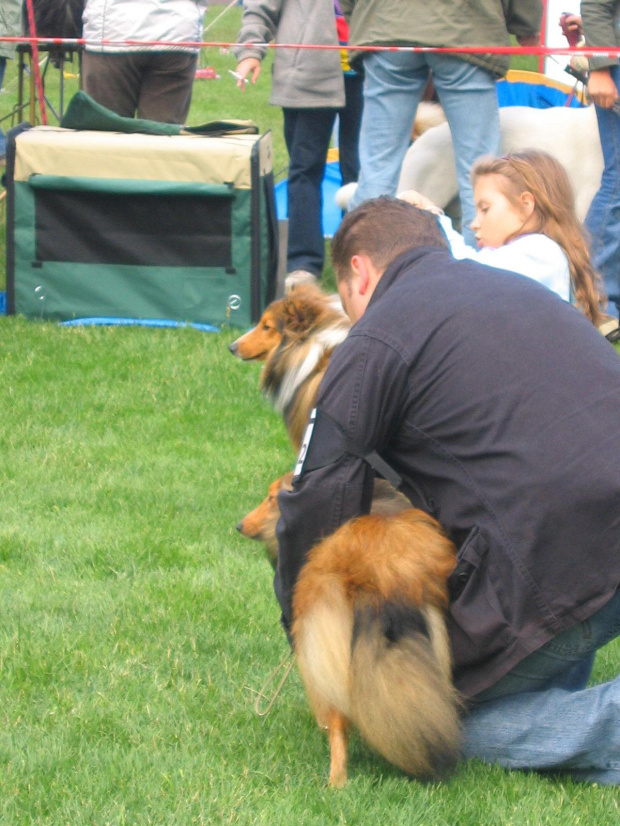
(363, 391)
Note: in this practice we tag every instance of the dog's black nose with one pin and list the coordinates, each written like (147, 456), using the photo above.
(233, 348)
(240, 527)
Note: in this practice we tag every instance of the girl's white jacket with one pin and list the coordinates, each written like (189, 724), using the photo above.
(109, 22)
(536, 255)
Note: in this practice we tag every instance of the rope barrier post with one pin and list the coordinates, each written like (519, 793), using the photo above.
(35, 76)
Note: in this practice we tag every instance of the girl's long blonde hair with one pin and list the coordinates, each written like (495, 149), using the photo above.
(545, 178)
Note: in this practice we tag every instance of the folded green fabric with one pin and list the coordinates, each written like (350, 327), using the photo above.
(85, 113)
(217, 128)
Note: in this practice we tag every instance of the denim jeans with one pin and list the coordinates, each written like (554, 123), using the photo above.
(393, 86)
(542, 717)
(603, 218)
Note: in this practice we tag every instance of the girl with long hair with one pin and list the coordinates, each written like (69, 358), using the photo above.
(526, 222)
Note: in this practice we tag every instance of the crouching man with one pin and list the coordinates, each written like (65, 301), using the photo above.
(497, 404)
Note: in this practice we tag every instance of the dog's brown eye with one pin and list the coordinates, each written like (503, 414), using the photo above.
(266, 327)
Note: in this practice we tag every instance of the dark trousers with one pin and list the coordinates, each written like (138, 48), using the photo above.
(153, 85)
(349, 121)
(307, 133)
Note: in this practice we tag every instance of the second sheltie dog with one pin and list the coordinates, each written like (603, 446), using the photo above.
(295, 338)
(260, 523)
(370, 636)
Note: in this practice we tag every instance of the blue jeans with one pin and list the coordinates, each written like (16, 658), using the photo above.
(542, 717)
(393, 86)
(603, 218)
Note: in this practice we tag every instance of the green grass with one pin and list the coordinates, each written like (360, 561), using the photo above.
(137, 626)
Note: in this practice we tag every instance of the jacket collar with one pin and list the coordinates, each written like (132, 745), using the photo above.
(402, 264)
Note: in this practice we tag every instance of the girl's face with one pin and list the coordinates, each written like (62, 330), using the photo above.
(497, 218)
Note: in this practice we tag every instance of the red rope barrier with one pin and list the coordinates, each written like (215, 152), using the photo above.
(34, 45)
(585, 51)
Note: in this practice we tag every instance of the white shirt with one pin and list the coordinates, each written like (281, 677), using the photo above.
(171, 21)
(536, 255)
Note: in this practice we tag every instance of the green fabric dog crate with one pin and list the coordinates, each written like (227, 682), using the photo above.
(106, 224)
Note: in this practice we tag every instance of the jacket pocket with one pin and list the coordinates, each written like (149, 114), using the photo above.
(477, 623)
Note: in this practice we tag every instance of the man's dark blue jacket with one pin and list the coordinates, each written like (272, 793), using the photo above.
(499, 404)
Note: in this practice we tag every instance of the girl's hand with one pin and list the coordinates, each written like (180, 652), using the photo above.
(416, 198)
(602, 89)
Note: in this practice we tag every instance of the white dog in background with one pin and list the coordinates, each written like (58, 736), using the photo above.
(569, 134)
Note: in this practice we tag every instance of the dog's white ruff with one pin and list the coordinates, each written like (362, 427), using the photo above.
(323, 341)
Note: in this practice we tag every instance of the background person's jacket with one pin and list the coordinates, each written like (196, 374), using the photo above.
(444, 23)
(171, 21)
(499, 404)
(601, 27)
(10, 25)
(302, 78)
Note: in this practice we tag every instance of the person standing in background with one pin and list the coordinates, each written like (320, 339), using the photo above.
(309, 85)
(349, 118)
(601, 27)
(10, 26)
(154, 82)
(465, 83)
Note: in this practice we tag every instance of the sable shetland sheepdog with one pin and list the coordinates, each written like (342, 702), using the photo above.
(370, 637)
(295, 338)
(261, 523)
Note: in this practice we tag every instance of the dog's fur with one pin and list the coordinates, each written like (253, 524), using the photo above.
(260, 524)
(568, 134)
(370, 635)
(295, 338)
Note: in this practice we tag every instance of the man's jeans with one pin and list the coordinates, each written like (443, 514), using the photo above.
(393, 86)
(603, 218)
(541, 716)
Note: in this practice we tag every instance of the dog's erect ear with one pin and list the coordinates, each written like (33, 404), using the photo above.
(303, 306)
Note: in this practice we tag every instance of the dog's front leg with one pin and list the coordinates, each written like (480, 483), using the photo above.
(337, 733)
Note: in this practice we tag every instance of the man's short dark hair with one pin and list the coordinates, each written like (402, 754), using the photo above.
(383, 228)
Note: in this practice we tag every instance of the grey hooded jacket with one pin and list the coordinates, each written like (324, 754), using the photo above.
(302, 78)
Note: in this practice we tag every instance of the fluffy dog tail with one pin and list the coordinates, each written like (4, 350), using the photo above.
(371, 639)
(402, 698)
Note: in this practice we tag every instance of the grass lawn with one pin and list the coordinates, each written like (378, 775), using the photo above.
(137, 626)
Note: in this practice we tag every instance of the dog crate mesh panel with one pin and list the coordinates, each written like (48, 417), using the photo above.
(138, 229)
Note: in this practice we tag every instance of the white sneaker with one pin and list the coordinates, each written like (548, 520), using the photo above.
(297, 277)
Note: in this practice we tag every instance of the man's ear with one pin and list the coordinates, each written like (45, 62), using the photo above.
(361, 267)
